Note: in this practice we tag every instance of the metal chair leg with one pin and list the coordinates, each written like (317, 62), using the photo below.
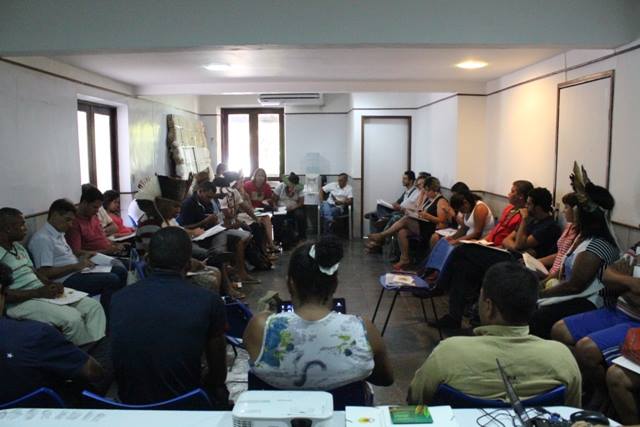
(435, 314)
(375, 312)
(424, 312)
(393, 302)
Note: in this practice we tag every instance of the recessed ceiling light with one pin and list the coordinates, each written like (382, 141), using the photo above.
(471, 64)
(215, 66)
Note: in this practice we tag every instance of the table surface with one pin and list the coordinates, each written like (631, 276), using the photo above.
(122, 418)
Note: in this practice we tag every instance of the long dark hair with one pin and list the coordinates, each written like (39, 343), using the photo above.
(305, 276)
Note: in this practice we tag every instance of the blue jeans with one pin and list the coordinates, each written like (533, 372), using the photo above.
(103, 284)
(328, 212)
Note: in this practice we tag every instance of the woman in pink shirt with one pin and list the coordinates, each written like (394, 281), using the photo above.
(111, 204)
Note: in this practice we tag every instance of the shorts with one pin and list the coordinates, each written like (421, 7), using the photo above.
(606, 327)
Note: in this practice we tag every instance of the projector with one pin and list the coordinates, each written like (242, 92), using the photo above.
(269, 408)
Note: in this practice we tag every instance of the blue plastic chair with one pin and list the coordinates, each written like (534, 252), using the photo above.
(436, 261)
(195, 400)
(353, 394)
(238, 316)
(43, 397)
(447, 395)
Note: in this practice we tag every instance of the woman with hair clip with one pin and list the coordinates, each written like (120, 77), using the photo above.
(314, 347)
(580, 275)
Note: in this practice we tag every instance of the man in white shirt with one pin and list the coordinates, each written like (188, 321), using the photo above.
(379, 218)
(336, 197)
(55, 260)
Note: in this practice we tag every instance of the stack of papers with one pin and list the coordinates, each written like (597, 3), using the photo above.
(114, 238)
(391, 279)
(69, 296)
(446, 232)
(533, 264)
(102, 259)
(384, 203)
(209, 233)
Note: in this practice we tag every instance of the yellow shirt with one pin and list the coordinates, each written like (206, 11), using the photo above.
(468, 364)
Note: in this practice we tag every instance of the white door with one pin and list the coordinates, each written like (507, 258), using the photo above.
(386, 142)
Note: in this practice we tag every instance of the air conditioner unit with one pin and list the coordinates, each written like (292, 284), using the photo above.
(277, 99)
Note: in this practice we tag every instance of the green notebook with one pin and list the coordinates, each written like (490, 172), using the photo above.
(410, 415)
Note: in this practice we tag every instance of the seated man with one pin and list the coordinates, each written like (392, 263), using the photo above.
(335, 196)
(289, 194)
(86, 233)
(197, 214)
(37, 355)
(507, 300)
(55, 260)
(161, 326)
(379, 218)
(82, 322)
(467, 263)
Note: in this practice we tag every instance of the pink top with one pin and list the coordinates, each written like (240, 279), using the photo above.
(122, 229)
(258, 195)
(87, 234)
(568, 236)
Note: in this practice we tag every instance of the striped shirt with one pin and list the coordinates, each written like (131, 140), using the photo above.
(24, 276)
(565, 242)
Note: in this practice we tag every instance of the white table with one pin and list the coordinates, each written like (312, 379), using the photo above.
(126, 418)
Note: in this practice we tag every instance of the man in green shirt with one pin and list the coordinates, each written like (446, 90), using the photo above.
(534, 365)
(31, 296)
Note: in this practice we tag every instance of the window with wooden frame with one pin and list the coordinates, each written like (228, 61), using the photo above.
(253, 138)
(98, 144)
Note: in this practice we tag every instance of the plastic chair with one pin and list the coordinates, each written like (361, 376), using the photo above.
(437, 260)
(43, 397)
(447, 395)
(356, 393)
(238, 316)
(195, 400)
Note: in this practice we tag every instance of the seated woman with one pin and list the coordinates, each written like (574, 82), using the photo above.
(596, 336)
(260, 195)
(581, 272)
(111, 204)
(432, 213)
(570, 233)
(314, 347)
(477, 218)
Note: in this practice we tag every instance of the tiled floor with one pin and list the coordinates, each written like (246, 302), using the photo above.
(408, 338)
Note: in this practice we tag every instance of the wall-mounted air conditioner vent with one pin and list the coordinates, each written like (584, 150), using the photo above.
(276, 99)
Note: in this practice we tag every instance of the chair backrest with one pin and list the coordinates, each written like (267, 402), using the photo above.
(356, 393)
(447, 395)
(195, 400)
(41, 398)
(238, 316)
(439, 255)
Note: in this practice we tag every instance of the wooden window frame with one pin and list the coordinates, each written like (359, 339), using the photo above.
(90, 108)
(253, 134)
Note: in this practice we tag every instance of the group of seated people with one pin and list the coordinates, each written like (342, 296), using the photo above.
(586, 300)
(562, 329)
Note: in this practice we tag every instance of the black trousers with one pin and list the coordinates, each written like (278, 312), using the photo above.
(546, 316)
(296, 216)
(464, 272)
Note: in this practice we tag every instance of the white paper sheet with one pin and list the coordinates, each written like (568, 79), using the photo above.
(209, 233)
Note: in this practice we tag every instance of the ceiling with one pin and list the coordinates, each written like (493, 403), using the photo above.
(323, 69)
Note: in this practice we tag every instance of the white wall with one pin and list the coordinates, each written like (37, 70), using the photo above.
(39, 137)
(521, 124)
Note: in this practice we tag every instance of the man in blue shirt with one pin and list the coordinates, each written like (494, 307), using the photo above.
(161, 326)
(34, 354)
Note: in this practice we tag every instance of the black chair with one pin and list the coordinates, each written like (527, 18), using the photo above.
(353, 394)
